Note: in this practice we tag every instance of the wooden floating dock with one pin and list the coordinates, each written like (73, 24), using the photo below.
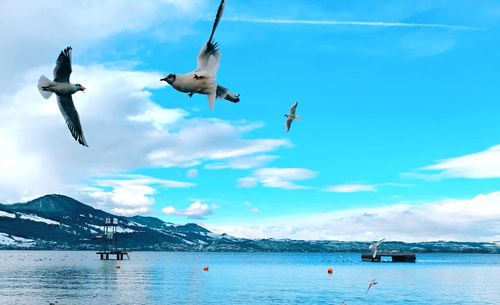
(106, 254)
(396, 257)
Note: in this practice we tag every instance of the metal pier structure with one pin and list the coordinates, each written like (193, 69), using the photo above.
(110, 241)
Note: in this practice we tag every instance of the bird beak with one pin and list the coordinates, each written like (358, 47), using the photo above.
(83, 89)
(163, 79)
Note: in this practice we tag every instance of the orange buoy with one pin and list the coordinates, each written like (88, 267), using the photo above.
(205, 268)
(330, 270)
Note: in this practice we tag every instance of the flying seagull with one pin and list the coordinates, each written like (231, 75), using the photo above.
(374, 247)
(291, 116)
(64, 89)
(203, 80)
(372, 283)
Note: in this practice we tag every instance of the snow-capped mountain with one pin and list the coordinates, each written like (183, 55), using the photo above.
(61, 222)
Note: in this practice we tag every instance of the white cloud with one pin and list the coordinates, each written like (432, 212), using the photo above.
(274, 177)
(158, 116)
(52, 25)
(192, 173)
(130, 212)
(39, 155)
(255, 210)
(243, 162)
(196, 210)
(351, 188)
(202, 140)
(128, 194)
(472, 219)
(481, 165)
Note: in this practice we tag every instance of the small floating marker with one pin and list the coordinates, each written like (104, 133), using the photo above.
(117, 266)
(330, 270)
(205, 268)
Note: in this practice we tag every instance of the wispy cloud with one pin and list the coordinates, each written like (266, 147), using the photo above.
(243, 162)
(352, 23)
(273, 177)
(351, 188)
(481, 165)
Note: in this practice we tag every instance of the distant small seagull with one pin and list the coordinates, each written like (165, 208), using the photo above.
(64, 89)
(372, 283)
(203, 80)
(291, 116)
(52, 303)
(374, 247)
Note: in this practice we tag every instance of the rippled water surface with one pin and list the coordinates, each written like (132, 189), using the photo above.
(35, 277)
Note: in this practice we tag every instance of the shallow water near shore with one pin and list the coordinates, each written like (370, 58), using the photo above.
(76, 277)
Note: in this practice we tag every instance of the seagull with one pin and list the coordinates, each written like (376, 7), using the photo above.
(291, 116)
(374, 247)
(372, 283)
(203, 80)
(64, 89)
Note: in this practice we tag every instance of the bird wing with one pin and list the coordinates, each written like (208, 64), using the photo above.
(209, 59)
(380, 241)
(209, 55)
(293, 108)
(375, 253)
(218, 17)
(68, 110)
(288, 124)
(62, 71)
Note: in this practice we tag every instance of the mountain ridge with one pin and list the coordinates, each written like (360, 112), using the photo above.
(60, 222)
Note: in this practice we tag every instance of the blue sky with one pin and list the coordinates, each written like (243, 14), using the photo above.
(386, 90)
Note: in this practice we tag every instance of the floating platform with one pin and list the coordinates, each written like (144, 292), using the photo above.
(396, 257)
(105, 255)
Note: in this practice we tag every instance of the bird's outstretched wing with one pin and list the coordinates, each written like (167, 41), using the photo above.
(293, 108)
(209, 55)
(218, 17)
(68, 110)
(288, 124)
(62, 71)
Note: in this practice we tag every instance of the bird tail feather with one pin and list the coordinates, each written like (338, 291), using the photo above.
(44, 82)
(224, 93)
(211, 101)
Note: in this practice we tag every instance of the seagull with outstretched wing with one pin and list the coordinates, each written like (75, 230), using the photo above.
(374, 247)
(372, 284)
(203, 80)
(291, 116)
(64, 90)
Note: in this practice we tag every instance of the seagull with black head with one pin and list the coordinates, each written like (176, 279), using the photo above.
(203, 80)
(64, 91)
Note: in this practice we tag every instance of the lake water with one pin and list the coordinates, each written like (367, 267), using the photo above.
(73, 278)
